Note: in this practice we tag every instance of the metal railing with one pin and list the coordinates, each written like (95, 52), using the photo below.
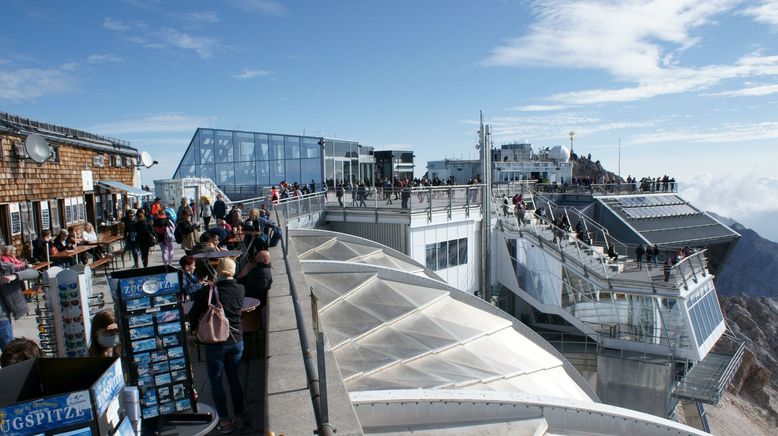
(63, 131)
(406, 199)
(608, 188)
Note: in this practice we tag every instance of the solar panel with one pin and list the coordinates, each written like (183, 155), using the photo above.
(660, 211)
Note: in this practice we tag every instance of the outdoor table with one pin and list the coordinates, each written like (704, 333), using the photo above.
(73, 253)
(210, 256)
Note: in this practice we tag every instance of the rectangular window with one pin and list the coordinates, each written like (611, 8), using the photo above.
(293, 171)
(293, 147)
(245, 146)
(277, 172)
(54, 214)
(223, 146)
(206, 146)
(446, 254)
(263, 173)
(276, 147)
(262, 147)
(225, 174)
(245, 173)
(442, 255)
(28, 222)
(432, 262)
(311, 148)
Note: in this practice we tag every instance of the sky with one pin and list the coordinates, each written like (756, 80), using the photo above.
(687, 88)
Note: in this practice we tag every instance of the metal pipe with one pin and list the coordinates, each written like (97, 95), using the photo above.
(311, 372)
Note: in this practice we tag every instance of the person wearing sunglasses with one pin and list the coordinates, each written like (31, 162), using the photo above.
(105, 340)
(13, 303)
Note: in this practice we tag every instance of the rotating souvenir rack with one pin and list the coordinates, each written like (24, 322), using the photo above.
(151, 316)
(64, 317)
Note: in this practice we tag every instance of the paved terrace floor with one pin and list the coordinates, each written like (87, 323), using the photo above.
(289, 403)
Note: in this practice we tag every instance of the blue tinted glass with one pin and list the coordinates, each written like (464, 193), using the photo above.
(430, 255)
(223, 146)
(442, 252)
(263, 173)
(245, 173)
(293, 147)
(277, 172)
(311, 148)
(245, 146)
(310, 169)
(186, 171)
(189, 157)
(206, 171)
(225, 174)
(293, 171)
(206, 146)
(276, 147)
(262, 147)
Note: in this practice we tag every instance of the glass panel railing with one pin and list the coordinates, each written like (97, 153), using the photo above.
(406, 198)
(609, 188)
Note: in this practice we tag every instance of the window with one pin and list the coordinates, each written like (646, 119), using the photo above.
(55, 154)
(705, 313)
(292, 147)
(446, 254)
(245, 147)
(223, 147)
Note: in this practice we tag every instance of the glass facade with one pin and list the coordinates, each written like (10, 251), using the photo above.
(245, 164)
(704, 312)
(446, 254)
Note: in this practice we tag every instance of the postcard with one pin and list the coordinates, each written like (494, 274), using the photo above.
(179, 391)
(177, 364)
(170, 341)
(163, 394)
(139, 320)
(162, 379)
(141, 332)
(159, 356)
(166, 409)
(160, 367)
(172, 327)
(142, 358)
(138, 303)
(149, 397)
(178, 375)
(162, 300)
(145, 382)
(150, 412)
(144, 345)
(176, 352)
(182, 405)
(144, 370)
(167, 316)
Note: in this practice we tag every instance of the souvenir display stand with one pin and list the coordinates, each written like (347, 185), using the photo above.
(62, 396)
(151, 321)
(65, 320)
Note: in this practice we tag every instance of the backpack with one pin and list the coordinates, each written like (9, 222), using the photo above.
(213, 326)
(275, 237)
(177, 235)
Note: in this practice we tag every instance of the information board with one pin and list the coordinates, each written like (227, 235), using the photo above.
(153, 326)
(45, 216)
(16, 219)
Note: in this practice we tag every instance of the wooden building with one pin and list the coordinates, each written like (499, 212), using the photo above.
(86, 178)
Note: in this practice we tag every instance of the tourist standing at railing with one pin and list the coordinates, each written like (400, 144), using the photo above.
(520, 212)
(639, 250)
(668, 267)
(505, 205)
(388, 191)
(339, 194)
(362, 194)
(406, 194)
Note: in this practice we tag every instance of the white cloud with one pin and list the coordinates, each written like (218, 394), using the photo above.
(748, 199)
(729, 132)
(103, 58)
(264, 7)
(636, 42)
(115, 25)
(209, 17)
(766, 13)
(29, 83)
(554, 126)
(250, 74)
(539, 107)
(154, 123)
(167, 38)
(750, 92)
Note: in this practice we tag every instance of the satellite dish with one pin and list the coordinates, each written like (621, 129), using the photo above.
(37, 148)
(146, 160)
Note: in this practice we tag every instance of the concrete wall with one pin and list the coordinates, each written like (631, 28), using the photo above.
(638, 385)
(391, 235)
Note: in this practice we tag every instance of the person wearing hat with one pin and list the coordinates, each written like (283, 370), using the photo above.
(224, 358)
(105, 336)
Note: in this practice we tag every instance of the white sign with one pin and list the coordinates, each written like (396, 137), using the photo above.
(16, 219)
(87, 182)
(45, 216)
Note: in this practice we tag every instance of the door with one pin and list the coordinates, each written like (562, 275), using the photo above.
(90, 208)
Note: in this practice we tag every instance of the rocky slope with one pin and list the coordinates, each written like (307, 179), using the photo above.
(752, 268)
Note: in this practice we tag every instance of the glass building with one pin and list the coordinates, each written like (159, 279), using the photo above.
(246, 164)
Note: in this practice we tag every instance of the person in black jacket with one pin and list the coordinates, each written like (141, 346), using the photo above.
(224, 357)
(257, 277)
(219, 208)
(41, 246)
(145, 236)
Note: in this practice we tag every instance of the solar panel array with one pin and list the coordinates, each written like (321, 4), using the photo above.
(652, 200)
(660, 211)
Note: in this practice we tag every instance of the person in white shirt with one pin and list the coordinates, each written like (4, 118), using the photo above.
(89, 236)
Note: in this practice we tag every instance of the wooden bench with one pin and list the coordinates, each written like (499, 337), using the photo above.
(103, 262)
(40, 265)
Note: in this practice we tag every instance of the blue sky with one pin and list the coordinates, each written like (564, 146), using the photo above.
(690, 87)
